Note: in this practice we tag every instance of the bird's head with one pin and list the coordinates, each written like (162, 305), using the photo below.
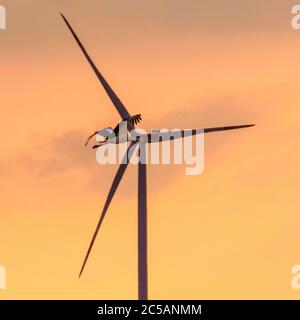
(107, 133)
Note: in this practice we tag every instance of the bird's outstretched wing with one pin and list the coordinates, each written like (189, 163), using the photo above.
(131, 122)
(112, 95)
(135, 119)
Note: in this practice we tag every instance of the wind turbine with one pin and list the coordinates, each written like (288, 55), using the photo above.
(142, 175)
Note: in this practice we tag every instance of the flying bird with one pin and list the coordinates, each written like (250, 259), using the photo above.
(111, 134)
(116, 135)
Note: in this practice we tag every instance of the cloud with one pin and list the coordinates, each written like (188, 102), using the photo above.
(211, 112)
(55, 157)
(37, 23)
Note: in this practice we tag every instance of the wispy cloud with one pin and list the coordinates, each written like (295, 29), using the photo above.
(50, 157)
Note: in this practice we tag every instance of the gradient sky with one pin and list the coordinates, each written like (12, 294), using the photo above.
(232, 232)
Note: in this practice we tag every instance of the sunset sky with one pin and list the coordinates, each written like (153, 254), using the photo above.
(230, 233)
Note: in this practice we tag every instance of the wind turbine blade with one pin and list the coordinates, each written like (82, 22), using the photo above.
(112, 95)
(207, 130)
(142, 233)
(114, 186)
(165, 136)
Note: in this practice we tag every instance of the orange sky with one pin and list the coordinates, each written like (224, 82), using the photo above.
(180, 64)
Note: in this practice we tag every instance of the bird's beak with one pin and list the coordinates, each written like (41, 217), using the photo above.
(99, 145)
(89, 138)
